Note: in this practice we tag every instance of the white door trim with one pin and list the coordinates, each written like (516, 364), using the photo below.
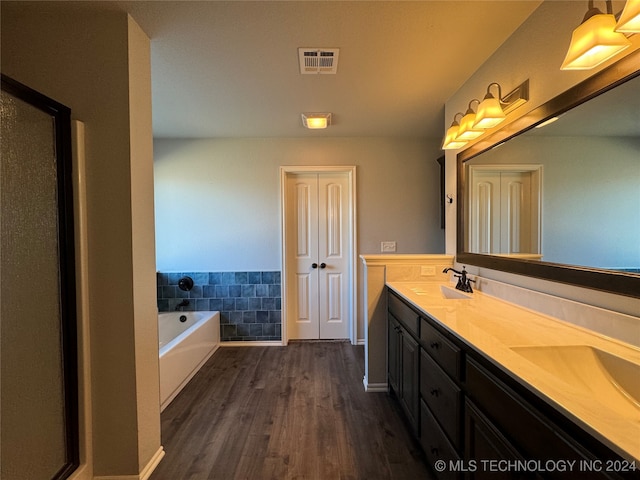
(285, 171)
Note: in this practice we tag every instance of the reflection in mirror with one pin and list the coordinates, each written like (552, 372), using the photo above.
(583, 171)
(565, 195)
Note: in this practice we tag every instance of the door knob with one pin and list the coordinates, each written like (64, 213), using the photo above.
(314, 265)
(323, 265)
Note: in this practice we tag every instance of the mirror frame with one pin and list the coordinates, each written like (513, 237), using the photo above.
(621, 283)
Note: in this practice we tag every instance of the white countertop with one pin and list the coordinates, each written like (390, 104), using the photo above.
(493, 327)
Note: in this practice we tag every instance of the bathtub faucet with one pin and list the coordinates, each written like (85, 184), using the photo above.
(464, 282)
(183, 303)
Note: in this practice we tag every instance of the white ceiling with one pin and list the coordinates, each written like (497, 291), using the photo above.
(230, 68)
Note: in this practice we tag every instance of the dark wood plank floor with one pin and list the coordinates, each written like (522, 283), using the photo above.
(295, 412)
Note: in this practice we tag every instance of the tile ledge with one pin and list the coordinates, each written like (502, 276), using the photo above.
(405, 258)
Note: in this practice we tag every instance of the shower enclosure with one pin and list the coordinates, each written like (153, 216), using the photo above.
(38, 360)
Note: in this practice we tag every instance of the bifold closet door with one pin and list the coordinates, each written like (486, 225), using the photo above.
(317, 234)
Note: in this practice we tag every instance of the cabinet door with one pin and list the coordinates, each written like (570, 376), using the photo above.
(410, 365)
(393, 361)
(484, 444)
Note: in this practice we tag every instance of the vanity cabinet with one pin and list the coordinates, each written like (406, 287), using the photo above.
(468, 411)
(424, 369)
(403, 359)
(500, 423)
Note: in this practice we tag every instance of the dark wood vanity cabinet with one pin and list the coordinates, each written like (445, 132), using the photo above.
(404, 360)
(467, 411)
(503, 420)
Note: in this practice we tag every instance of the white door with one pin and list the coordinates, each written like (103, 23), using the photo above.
(505, 215)
(318, 262)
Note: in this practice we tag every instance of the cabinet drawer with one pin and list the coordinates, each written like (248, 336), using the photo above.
(445, 353)
(435, 444)
(443, 397)
(407, 316)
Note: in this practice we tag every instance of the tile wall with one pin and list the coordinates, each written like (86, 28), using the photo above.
(250, 303)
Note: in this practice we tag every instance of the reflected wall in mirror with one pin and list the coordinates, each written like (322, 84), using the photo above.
(561, 201)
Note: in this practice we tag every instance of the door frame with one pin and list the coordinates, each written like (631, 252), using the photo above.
(350, 170)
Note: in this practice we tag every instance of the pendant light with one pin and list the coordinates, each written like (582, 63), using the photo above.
(595, 40)
(450, 140)
(630, 18)
(467, 131)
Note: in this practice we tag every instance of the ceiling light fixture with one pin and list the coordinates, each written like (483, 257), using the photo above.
(595, 40)
(492, 111)
(315, 121)
(629, 21)
(450, 141)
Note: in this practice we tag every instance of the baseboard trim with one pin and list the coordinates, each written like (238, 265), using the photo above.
(273, 343)
(153, 463)
(144, 474)
(374, 387)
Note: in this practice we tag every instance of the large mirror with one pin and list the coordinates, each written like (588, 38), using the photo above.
(560, 200)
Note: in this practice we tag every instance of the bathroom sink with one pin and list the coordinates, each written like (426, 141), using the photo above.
(611, 380)
(453, 294)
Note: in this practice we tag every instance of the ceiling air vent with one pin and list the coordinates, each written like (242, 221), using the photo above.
(318, 60)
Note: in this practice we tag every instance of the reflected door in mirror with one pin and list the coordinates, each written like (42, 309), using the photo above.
(504, 213)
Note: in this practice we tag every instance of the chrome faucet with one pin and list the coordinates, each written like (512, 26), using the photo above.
(183, 303)
(463, 284)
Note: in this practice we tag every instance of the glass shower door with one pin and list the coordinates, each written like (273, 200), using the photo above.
(38, 372)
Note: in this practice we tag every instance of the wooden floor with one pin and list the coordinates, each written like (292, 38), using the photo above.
(295, 412)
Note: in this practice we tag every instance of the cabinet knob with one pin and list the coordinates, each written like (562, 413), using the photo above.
(435, 345)
(314, 265)
(323, 265)
(435, 392)
(434, 451)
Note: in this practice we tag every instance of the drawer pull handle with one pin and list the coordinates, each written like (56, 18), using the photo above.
(435, 392)
(435, 345)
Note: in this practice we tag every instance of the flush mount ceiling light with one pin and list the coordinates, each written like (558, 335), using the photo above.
(316, 120)
(450, 141)
(492, 111)
(595, 40)
(629, 21)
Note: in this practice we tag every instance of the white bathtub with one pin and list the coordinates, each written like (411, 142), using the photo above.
(184, 348)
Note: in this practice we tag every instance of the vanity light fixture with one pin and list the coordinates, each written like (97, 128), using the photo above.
(629, 21)
(467, 130)
(492, 111)
(595, 40)
(450, 140)
(314, 121)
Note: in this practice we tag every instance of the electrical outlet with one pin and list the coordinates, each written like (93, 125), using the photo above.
(387, 247)
(427, 270)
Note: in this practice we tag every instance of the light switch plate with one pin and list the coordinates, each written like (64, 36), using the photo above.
(387, 247)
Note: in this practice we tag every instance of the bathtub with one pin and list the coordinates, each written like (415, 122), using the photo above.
(184, 347)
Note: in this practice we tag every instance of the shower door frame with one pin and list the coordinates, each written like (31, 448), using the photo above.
(66, 262)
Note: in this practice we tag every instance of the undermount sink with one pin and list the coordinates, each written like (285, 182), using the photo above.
(611, 380)
(453, 294)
